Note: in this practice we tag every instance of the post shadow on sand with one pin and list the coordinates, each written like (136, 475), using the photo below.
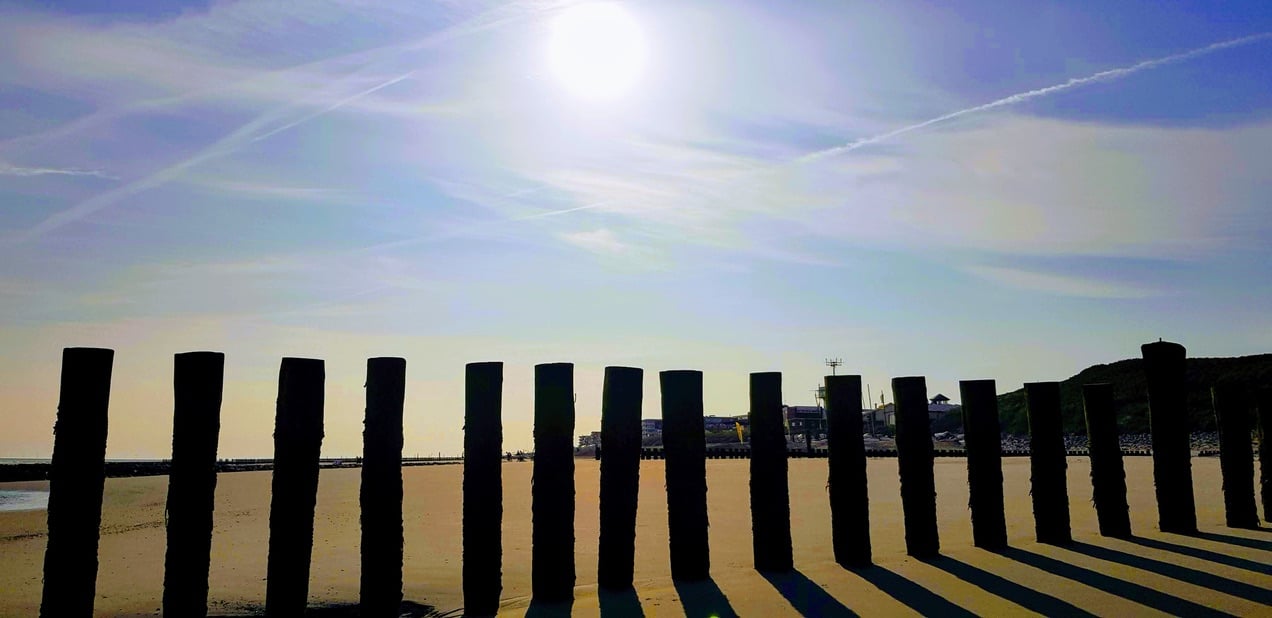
(912, 595)
(1175, 571)
(541, 609)
(1023, 596)
(1261, 568)
(620, 603)
(703, 599)
(1234, 540)
(1130, 591)
(805, 595)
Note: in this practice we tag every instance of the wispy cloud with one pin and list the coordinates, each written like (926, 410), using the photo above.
(600, 241)
(13, 170)
(1063, 284)
(1102, 76)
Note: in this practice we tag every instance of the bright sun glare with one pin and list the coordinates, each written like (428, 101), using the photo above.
(596, 50)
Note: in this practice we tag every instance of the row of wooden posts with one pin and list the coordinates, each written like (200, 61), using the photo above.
(77, 477)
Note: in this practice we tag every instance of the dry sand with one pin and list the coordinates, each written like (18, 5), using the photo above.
(1225, 569)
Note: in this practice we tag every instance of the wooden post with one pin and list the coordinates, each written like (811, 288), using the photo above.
(1236, 459)
(552, 488)
(483, 488)
(684, 447)
(380, 593)
(620, 475)
(197, 380)
(1108, 476)
(1264, 420)
(1165, 369)
(298, 436)
(982, 434)
(1047, 463)
(849, 500)
(76, 479)
(770, 495)
(914, 463)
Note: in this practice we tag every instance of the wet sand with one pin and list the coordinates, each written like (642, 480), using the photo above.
(1224, 569)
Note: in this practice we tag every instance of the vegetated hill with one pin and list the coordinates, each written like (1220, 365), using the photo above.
(1129, 392)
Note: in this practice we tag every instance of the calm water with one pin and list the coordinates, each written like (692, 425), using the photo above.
(23, 500)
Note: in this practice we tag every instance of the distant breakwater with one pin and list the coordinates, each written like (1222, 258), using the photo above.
(116, 469)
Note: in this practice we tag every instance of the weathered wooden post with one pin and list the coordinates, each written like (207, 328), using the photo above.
(684, 447)
(76, 479)
(770, 496)
(1047, 463)
(983, 437)
(1165, 368)
(197, 381)
(1264, 420)
(380, 593)
(914, 462)
(1108, 476)
(483, 488)
(297, 445)
(620, 475)
(552, 493)
(1236, 459)
(849, 500)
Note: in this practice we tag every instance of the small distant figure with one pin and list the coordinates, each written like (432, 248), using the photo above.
(508, 455)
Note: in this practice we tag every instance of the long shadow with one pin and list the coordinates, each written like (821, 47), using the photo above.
(1204, 554)
(1131, 591)
(539, 609)
(1234, 540)
(1175, 571)
(806, 596)
(914, 596)
(703, 599)
(620, 603)
(1023, 596)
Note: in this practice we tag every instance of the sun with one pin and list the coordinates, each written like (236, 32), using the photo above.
(596, 50)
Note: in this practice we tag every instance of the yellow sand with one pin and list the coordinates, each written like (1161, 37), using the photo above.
(132, 547)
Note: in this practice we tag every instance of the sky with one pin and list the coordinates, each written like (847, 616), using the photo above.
(955, 190)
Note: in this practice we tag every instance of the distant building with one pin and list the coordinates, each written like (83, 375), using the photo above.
(804, 419)
(938, 406)
(650, 427)
(592, 439)
(724, 423)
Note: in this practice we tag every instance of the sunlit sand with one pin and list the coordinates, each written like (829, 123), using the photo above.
(1097, 575)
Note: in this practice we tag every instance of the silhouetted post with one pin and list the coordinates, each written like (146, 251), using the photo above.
(983, 436)
(684, 447)
(552, 488)
(620, 475)
(1264, 402)
(297, 445)
(76, 478)
(914, 462)
(380, 593)
(770, 496)
(483, 488)
(197, 380)
(849, 501)
(1108, 476)
(1236, 459)
(1165, 369)
(1047, 463)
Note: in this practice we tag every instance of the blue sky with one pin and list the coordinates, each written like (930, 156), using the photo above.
(344, 180)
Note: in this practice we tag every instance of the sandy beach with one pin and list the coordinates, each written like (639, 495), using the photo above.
(1224, 569)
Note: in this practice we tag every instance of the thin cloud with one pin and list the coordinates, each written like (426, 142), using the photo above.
(1063, 285)
(12, 170)
(600, 241)
(1102, 76)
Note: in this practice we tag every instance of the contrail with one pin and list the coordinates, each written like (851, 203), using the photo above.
(234, 140)
(12, 170)
(1075, 82)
